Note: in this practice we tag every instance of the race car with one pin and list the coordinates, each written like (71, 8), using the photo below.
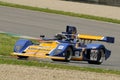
(66, 46)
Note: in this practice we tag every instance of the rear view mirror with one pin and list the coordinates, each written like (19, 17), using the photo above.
(42, 36)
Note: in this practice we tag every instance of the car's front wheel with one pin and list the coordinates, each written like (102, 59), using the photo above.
(68, 54)
(22, 57)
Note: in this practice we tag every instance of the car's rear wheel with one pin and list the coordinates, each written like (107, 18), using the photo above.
(97, 56)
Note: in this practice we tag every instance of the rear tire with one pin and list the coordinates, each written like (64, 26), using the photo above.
(99, 56)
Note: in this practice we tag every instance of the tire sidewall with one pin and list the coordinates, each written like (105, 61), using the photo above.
(68, 54)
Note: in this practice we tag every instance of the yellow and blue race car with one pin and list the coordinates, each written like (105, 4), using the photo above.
(66, 46)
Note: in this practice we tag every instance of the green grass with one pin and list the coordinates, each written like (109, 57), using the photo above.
(6, 47)
(6, 44)
(60, 12)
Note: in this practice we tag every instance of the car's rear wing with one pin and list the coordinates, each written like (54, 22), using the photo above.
(96, 38)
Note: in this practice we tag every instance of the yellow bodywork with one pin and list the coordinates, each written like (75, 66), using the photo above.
(41, 50)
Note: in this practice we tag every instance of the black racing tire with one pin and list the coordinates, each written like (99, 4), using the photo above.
(68, 54)
(100, 57)
(55, 60)
(22, 57)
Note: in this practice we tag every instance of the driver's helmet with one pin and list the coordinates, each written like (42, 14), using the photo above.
(60, 36)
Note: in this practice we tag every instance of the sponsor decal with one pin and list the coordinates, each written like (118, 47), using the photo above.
(40, 48)
(77, 53)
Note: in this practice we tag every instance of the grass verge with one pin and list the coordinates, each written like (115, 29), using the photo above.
(53, 65)
(6, 47)
(6, 44)
(60, 12)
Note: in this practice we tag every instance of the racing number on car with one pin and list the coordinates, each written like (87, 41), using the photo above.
(60, 47)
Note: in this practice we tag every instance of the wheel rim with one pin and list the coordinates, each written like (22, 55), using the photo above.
(97, 55)
(93, 55)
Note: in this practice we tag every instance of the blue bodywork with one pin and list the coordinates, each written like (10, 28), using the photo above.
(60, 49)
(21, 45)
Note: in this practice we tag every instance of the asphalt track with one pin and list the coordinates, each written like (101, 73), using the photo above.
(33, 23)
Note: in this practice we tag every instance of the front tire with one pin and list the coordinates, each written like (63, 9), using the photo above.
(22, 57)
(97, 57)
(68, 54)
